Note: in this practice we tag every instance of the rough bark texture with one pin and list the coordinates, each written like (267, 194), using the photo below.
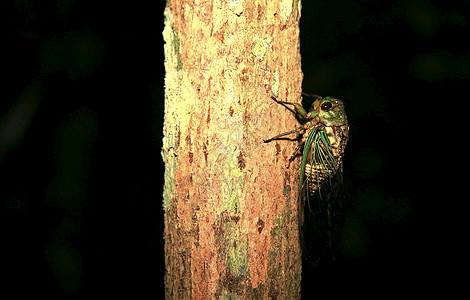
(231, 223)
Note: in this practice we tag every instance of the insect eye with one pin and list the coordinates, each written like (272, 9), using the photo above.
(326, 106)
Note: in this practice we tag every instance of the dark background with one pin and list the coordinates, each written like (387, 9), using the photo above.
(81, 116)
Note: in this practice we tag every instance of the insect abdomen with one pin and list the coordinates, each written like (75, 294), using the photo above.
(317, 175)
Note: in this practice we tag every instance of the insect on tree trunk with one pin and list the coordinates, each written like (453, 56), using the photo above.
(230, 201)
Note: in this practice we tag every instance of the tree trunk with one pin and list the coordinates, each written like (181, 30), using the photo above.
(230, 200)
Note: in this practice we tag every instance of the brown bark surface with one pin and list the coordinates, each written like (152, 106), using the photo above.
(231, 223)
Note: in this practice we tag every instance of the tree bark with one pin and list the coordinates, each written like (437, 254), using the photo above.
(230, 200)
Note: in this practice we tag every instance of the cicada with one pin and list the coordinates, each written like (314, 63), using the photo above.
(322, 136)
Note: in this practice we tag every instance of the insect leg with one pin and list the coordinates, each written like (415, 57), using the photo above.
(311, 95)
(298, 110)
(279, 136)
(296, 152)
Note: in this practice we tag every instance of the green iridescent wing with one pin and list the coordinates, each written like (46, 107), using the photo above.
(318, 165)
(323, 220)
(305, 157)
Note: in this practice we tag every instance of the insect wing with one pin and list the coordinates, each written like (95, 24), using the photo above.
(321, 188)
(323, 221)
(306, 155)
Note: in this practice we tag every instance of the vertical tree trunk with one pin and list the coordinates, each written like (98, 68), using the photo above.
(231, 223)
